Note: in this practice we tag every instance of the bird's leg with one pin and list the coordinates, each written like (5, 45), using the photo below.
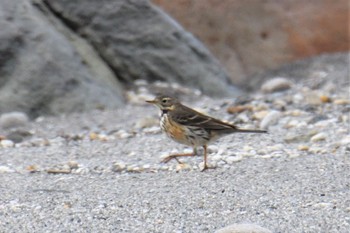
(174, 156)
(205, 158)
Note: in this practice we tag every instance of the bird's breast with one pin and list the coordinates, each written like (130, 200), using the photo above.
(172, 129)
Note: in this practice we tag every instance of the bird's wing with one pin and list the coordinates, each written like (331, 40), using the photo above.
(189, 117)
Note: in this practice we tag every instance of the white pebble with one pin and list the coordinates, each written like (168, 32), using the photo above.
(323, 205)
(146, 122)
(233, 159)
(270, 119)
(122, 134)
(243, 228)
(13, 119)
(319, 137)
(7, 143)
(345, 140)
(213, 149)
(5, 169)
(276, 84)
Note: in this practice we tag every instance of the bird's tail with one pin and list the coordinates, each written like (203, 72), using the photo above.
(251, 131)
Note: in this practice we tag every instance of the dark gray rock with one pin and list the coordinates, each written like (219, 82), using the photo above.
(40, 71)
(139, 41)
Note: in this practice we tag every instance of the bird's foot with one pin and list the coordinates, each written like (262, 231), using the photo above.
(170, 157)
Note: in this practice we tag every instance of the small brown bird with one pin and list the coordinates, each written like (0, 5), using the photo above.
(187, 126)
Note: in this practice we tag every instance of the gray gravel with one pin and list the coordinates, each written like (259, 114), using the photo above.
(100, 172)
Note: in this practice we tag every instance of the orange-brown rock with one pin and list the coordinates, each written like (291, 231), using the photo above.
(251, 36)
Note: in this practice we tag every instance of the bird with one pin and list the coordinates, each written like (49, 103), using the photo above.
(190, 127)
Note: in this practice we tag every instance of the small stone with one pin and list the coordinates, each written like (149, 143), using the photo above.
(238, 109)
(13, 120)
(318, 137)
(122, 134)
(7, 143)
(317, 150)
(93, 136)
(260, 115)
(323, 205)
(183, 167)
(18, 135)
(81, 170)
(103, 137)
(119, 167)
(295, 113)
(325, 99)
(5, 169)
(243, 228)
(73, 164)
(345, 140)
(303, 148)
(270, 119)
(296, 137)
(146, 122)
(213, 149)
(138, 99)
(32, 168)
(276, 84)
(312, 98)
(233, 159)
(60, 169)
(216, 157)
(341, 101)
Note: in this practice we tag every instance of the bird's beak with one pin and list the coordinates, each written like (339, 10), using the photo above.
(151, 101)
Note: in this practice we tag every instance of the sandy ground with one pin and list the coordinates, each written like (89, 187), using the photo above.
(100, 172)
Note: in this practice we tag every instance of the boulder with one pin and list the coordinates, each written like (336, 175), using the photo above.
(139, 41)
(41, 72)
(251, 36)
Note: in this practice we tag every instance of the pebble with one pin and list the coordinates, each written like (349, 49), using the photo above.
(18, 135)
(138, 99)
(146, 122)
(341, 101)
(323, 205)
(293, 137)
(233, 159)
(238, 109)
(345, 140)
(5, 169)
(7, 143)
(303, 147)
(13, 120)
(122, 134)
(325, 99)
(318, 137)
(276, 84)
(213, 149)
(119, 167)
(317, 150)
(260, 114)
(312, 98)
(270, 119)
(243, 228)
(183, 167)
(152, 130)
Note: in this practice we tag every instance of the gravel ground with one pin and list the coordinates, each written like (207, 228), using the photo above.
(100, 171)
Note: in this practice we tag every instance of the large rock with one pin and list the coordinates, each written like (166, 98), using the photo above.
(41, 72)
(251, 36)
(139, 41)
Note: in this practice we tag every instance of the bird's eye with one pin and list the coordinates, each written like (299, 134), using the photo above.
(164, 101)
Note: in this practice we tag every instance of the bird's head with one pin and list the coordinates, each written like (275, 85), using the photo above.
(165, 103)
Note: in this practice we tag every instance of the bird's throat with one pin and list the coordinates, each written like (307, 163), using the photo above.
(165, 111)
